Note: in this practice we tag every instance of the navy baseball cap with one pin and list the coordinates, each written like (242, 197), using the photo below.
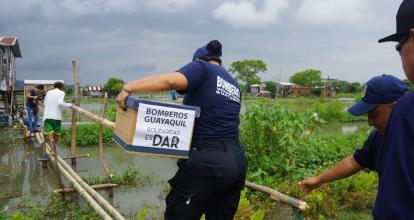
(405, 21)
(382, 89)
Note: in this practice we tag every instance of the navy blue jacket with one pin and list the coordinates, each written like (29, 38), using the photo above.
(395, 199)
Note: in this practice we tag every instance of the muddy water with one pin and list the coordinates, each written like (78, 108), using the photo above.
(341, 128)
(22, 178)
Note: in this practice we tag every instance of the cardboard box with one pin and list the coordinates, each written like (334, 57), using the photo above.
(154, 128)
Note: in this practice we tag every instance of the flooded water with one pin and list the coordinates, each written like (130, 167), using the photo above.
(341, 128)
(22, 177)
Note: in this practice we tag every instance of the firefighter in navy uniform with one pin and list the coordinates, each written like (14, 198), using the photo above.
(211, 180)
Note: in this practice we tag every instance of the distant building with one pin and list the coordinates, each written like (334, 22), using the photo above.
(259, 90)
(9, 51)
(285, 89)
(94, 91)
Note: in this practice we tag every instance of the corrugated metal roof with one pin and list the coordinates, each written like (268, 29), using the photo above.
(7, 41)
(41, 82)
(286, 83)
(13, 43)
(95, 88)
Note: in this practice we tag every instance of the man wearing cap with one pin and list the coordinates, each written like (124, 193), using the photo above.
(380, 97)
(395, 198)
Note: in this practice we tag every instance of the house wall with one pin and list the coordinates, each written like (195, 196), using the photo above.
(7, 69)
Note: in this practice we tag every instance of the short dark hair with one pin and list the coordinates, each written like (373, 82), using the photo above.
(209, 58)
(58, 85)
(41, 87)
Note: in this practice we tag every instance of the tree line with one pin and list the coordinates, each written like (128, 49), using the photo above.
(246, 72)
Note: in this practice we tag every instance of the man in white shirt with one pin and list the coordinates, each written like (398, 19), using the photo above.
(52, 115)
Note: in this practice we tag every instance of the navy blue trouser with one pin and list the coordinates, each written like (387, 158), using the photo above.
(209, 182)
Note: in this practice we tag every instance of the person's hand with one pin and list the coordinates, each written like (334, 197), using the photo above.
(121, 98)
(35, 97)
(309, 184)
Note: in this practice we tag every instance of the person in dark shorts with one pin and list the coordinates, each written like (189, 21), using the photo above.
(211, 180)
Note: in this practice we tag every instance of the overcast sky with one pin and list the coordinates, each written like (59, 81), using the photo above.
(130, 39)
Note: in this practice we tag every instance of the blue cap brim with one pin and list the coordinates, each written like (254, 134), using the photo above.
(361, 108)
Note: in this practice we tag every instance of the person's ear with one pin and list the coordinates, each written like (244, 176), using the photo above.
(412, 33)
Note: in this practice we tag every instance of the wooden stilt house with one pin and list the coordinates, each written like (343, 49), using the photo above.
(9, 51)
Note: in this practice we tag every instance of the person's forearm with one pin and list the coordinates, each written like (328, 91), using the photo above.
(30, 96)
(346, 167)
(157, 83)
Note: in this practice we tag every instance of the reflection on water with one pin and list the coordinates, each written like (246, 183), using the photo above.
(21, 175)
(23, 178)
(341, 128)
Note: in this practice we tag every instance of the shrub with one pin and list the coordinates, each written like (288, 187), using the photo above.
(282, 151)
(87, 134)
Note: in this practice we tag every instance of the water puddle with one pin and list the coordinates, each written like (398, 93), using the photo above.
(24, 181)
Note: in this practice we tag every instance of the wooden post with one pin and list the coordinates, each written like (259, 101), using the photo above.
(74, 113)
(44, 163)
(101, 152)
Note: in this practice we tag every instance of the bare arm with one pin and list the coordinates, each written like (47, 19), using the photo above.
(344, 168)
(157, 83)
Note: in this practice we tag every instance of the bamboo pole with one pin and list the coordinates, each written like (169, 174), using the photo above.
(102, 121)
(74, 113)
(39, 139)
(97, 186)
(99, 210)
(75, 156)
(105, 204)
(69, 158)
(278, 196)
(101, 151)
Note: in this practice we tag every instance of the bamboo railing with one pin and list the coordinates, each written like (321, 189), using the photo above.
(78, 187)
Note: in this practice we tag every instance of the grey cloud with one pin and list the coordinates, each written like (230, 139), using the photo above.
(148, 41)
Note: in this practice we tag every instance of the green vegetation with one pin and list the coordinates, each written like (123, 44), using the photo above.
(271, 87)
(334, 111)
(308, 78)
(246, 71)
(347, 87)
(113, 86)
(409, 84)
(87, 134)
(245, 210)
(281, 151)
(55, 209)
(131, 177)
